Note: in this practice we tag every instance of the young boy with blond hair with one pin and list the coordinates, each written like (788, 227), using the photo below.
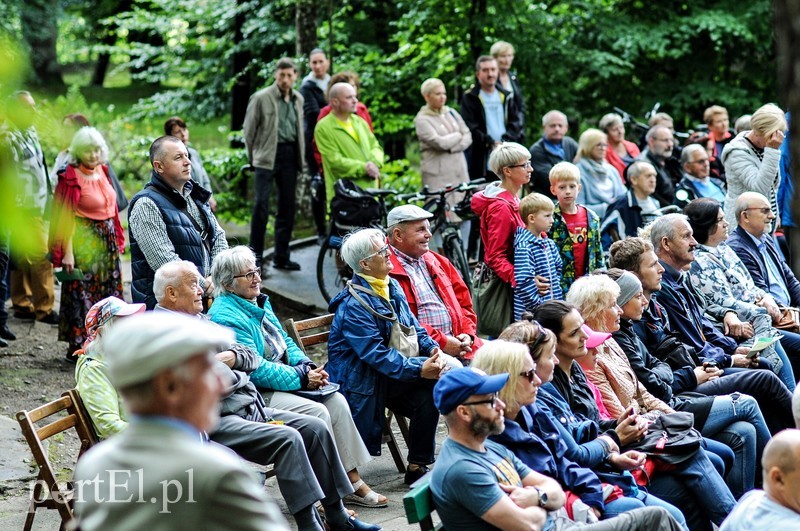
(576, 229)
(537, 263)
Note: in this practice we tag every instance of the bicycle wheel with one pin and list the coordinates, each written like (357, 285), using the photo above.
(332, 272)
(454, 251)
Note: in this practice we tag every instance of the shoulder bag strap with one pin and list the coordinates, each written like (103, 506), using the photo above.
(352, 288)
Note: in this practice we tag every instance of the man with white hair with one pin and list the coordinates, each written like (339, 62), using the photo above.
(301, 447)
(159, 473)
(436, 293)
(696, 181)
(753, 242)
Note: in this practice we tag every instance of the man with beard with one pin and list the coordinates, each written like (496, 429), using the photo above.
(478, 484)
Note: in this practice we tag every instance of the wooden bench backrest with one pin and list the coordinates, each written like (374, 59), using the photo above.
(418, 504)
(309, 332)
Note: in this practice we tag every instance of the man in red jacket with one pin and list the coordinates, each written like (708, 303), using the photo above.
(436, 294)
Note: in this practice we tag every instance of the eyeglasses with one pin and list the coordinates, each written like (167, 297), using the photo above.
(250, 275)
(383, 252)
(523, 165)
(601, 145)
(529, 374)
(700, 161)
(491, 401)
(764, 210)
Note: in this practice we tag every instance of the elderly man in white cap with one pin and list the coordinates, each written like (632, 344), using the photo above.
(436, 293)
(159, 473)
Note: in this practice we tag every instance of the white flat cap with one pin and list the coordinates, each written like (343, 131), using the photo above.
(406, 213)
(140, 346)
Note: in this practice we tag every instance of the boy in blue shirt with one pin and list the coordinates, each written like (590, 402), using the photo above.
(537, 262)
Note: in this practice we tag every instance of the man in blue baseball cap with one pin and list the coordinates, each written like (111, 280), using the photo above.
(478, 484)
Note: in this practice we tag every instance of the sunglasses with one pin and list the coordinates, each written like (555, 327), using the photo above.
(530, 374)
(541, 337)
(491, 401)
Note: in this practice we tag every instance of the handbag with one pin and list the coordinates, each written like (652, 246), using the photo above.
(402, 338)
(675, 353)
(493, 301)
(671, 438)
(790, 319)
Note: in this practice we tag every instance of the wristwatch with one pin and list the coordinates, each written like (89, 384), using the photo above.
(542, 497)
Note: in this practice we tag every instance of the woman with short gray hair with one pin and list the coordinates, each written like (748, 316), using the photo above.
(380, 354)
(86, 236)
(284, 367)
(620, 152)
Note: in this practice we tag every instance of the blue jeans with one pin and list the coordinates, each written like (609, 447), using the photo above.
(786, 374)
(697, 490)
(791, 345)
(737, 421)
(642, 499)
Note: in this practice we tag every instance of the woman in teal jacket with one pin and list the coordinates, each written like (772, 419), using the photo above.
(284, 367)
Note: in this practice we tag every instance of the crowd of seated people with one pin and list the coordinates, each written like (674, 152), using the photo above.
(624, 316)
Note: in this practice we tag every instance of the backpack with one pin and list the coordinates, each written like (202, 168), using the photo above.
(352, 207)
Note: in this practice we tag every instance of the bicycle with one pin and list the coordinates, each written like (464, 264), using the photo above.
(333, 273)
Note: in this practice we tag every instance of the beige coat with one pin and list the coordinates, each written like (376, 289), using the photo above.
(443, 137)
(618, 385)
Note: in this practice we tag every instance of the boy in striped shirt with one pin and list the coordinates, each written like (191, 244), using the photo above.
(537, 262)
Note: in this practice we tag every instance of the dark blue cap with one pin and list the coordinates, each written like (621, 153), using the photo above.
(457, 385)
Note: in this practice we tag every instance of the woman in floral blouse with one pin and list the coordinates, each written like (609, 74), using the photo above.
(721, 278)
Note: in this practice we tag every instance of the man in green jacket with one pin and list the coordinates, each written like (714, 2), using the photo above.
(349, 149)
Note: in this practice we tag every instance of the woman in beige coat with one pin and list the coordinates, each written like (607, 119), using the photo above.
(443, 137)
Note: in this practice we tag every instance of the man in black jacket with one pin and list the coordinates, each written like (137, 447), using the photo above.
(492, 115)
(314, 89)
(554, 147)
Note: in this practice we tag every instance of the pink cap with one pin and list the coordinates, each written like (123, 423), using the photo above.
(595, 338)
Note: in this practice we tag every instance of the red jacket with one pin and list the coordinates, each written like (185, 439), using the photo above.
(62, 222)
(616, 161)
(453, 292)
(499, 213)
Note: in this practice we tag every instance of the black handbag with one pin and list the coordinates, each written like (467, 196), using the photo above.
(670, 438)
(493, 301)
(675, 353)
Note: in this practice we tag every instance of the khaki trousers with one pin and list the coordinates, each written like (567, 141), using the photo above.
(32, 279)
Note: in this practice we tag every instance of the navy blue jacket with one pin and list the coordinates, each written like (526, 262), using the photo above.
(180, 229)
(686, 317)
(741, 242)
(360, 361)
(535, 440)
(624, 216)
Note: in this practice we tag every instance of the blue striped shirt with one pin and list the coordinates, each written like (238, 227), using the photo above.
(535, 256)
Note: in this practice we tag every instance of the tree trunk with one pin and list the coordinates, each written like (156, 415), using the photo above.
(787, 36)
(240, 93)
(306, 25)
(40, 31)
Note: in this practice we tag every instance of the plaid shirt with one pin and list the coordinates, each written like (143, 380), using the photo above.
(147, 225)
(35, 185)
(431, 310)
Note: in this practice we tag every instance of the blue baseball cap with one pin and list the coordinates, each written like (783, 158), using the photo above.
(456, 385)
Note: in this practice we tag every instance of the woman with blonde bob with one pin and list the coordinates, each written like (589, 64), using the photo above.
(443, 138)
(600, 182)
(752, 160)
(526, 351)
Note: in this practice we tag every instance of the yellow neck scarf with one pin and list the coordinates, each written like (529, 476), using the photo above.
(378, 285)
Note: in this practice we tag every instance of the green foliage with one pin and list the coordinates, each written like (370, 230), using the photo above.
(398, 175)
(232, 186)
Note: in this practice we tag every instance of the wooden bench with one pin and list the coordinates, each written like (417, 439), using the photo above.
(316, 331)
(419, 506)
(47, 492)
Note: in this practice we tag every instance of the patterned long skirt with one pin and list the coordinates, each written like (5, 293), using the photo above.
(97, 256)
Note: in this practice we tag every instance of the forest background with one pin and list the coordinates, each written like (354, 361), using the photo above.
(129, 64)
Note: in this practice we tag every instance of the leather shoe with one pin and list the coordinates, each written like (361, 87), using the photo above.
(6, 333)
(288, 265)
(51, 318)
(414, 475)
(355, 523)
(24, 315)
